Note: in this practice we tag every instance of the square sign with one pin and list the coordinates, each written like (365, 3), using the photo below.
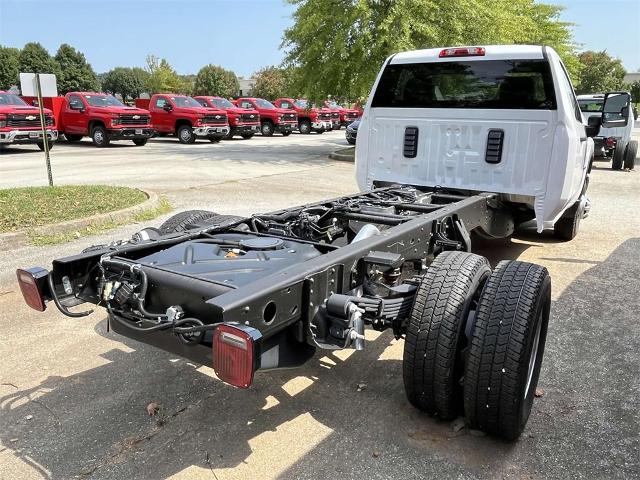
(48, 85)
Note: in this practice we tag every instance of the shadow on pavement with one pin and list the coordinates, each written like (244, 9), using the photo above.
(313, 422)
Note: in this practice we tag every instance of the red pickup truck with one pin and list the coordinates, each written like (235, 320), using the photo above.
(272, 118)
(184, 117)
(245, 123)
(20, 122)
(310, 119)
(347, 115)
(100, 116)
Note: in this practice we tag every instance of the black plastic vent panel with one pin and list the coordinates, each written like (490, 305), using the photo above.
(495, 139)
(410, 149)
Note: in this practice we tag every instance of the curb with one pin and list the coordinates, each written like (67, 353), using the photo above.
(21, 238)
(344, 154)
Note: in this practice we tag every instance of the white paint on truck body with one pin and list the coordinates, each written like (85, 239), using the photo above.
(545, 154)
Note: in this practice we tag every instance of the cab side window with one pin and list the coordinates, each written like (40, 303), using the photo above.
(75, 103)
(566, 82)
(246, 104)
(160, 102)
(285, 104)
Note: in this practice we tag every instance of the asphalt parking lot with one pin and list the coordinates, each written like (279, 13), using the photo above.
(73, 396)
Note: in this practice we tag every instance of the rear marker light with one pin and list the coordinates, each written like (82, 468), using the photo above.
(30, 287)
(462, 52)
(234, 359)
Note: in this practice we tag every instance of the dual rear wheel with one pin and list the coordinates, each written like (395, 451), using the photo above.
(475, 341)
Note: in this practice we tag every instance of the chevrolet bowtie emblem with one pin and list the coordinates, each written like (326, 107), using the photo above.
(217, 117)
(30, 117)
(136, 117)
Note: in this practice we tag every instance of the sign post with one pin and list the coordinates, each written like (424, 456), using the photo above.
(31, 85)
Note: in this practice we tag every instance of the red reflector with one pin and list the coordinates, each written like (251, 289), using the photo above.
(233, 355)
(462, 52)
(30, 288)
(611, 142)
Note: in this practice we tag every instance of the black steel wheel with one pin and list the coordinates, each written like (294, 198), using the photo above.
(445, 303)
(507, 345)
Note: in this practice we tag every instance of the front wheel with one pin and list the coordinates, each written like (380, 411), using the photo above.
(71, 138)
(100, 137)
(246, 136)
(186, 135)
(266, 129)
(286, 133)
(507, 345)
(305, 126)
(630, 155)
(215, 139)
(140, 142)
(41, 145)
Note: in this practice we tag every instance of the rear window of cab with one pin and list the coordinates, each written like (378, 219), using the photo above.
(488, 84)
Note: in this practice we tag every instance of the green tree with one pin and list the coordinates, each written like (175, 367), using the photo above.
(634, 88)
(34, 58)
(273, 82)
(162, 76)
(76, 74)
(188, 83)
(128, 82)
(9, 67)
(341, 54)
(215, 80)
(600, 72)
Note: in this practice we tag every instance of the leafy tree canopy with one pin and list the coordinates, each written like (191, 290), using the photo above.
(274, 82)
(340, 45)
(600, 73)
(128, 82)
(9, 67)
(215, 80)
(34, 58)
(75, 73)
(162, 76)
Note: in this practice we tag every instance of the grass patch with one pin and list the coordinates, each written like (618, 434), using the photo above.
(93, 229)
(24, 208)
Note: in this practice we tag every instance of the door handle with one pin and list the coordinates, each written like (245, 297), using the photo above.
(583, 139)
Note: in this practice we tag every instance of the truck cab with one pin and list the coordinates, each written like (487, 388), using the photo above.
(245, 123)
(104, 118)
(184, 117)
(503, 119)
(611, 142)
(310, 119)
(347, 115)
(272, 119)
(20, 122)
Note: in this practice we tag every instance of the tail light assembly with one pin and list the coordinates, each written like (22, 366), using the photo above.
(611, 142)
(33, 285)
(462, 52)
(235, 357)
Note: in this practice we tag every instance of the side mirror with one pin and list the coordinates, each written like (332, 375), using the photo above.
(593, 126)
(167, 107)
(615, 110)
(76, 106)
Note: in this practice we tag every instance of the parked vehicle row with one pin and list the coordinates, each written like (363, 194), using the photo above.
(104, 118)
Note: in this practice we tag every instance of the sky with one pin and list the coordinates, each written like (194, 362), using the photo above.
(240, 35)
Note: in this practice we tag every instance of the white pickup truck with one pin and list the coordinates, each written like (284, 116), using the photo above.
(500, 118)
(613, 142)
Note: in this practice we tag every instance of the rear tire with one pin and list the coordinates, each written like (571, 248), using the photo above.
(618, 157)
(432, 363)
(140, 142)
(215, 139)
(630, 155)
(41, 145)
(247, 136)
(286, 134)
(186, 135)
(100, 137)
(266, 128)
(566, 228)
(507, 346)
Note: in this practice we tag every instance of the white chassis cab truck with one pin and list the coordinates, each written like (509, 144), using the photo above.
(454, 140)
(613, 142)
(500, 118)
